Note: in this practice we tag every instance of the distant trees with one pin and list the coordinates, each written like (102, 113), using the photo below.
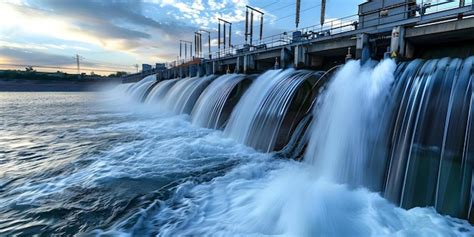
(31, 74)
(29, 69)
(118, 74)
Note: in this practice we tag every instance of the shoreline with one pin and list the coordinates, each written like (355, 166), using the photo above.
(28, 85)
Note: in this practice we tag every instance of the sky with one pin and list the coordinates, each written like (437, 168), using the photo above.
(113, 35)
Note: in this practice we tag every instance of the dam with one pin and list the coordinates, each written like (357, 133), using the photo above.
(401, 127)
(402, 29)
(262, 125)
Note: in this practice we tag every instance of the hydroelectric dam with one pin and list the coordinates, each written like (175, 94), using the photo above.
(382, 100)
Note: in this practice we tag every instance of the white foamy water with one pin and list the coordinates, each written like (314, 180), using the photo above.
(271, 197)
(346, 124)
(263, 196)
(129, 169)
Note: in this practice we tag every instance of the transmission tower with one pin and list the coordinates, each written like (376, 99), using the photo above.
(78, 59)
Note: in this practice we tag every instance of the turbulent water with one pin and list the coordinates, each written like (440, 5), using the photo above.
(97, 164)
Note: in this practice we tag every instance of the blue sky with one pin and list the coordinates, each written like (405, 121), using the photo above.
(115, 35)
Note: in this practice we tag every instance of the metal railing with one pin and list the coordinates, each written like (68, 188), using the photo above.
(333, 27)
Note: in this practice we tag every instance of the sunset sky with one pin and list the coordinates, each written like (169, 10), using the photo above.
(115, 35)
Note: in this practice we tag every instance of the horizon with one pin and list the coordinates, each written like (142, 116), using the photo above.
(111, 37)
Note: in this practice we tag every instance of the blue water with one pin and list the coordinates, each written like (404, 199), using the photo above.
(94, 163)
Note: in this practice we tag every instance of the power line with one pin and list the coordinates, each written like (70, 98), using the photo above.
(54, 67)
(106, 63)
(270, 4)
(291, 4)
(307, 9)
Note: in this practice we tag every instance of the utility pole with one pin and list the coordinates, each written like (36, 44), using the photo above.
(208, 40)
(78, 59)
(297, 16)
(249, 23)
(136, 67)
(225, 41)
(323, 12)
(185, 43)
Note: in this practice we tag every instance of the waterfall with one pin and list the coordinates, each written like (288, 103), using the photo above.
(216, 102)
(181, 98)
(123, 88)
(259, 116)
(346, 123)
(432, 150)
(402, 130)
(139, 89)
(159, 91)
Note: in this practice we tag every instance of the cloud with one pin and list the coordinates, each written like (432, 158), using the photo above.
(17, 58)
(34, 57)
(118, 25)
(141, 30)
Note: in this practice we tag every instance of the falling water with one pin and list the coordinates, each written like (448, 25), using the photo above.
(346, 124)
(432, 153)
(377, 130)
(214, 105)
(404, 131)
(139, 89)
(258, 117)
(182, 96)
(159, 91)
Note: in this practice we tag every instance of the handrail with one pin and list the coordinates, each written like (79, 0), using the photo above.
(329, 28)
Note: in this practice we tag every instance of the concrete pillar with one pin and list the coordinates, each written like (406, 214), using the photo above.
(409, 50)
(181, 72)
(285, 58)
(201, 69)
(214, 67)
(316, 61)
(249, 63)
(238, 65)
(193, 70)
(301, 56)
(209, 68)
(363, 47)
(397, 42)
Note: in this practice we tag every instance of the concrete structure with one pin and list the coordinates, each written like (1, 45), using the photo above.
(397, 28)
(146, 67)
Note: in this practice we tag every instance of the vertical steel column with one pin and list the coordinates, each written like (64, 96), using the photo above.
(195, 43)
(246, 24)
(209, 42)
(323, 12)
(219, 38)
(251, 27)
(297, 16)
(230, 35)
(224, 36)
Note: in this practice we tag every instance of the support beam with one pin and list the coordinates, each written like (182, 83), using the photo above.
(249, 63)
(301, 57)
(238, 65)
(363, 47)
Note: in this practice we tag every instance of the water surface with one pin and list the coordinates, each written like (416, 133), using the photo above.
(96, 164)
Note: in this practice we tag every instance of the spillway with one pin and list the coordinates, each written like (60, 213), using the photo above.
(260, 119)
(213, 107)
(404, 130)
(183, 95)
